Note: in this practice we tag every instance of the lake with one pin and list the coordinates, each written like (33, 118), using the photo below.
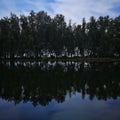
(56, 90)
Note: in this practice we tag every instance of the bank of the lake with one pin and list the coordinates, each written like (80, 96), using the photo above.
(76, 59)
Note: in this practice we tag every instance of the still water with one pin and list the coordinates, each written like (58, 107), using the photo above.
(38, 90)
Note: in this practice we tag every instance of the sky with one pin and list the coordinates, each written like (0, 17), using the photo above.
(74, 10)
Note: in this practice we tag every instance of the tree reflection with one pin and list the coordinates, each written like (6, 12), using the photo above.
(41, 82)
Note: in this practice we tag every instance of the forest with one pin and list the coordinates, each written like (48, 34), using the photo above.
(38, 35)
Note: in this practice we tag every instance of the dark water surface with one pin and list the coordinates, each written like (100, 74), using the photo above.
(59, 91)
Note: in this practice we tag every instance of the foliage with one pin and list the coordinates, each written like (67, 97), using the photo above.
(38, 35)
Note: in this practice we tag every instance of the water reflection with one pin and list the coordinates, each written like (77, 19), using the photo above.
(41, 82)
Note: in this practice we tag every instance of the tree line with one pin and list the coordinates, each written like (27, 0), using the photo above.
(38, 35)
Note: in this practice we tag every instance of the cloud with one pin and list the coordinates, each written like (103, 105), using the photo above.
(71, 9)
(38, 5)
(77, 9)
(6, 6)
(23, 6)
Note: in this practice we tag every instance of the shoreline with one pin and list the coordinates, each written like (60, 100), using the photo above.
(78, 59)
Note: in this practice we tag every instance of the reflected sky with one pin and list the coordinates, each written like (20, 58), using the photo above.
(73, 108)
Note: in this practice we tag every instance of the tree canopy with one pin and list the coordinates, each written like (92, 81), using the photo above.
(38, 35)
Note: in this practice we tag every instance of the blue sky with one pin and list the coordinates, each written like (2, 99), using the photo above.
(71, 9)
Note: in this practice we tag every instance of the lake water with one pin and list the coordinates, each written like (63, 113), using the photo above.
(39, 90)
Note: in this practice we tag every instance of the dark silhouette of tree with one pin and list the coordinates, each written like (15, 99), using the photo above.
(69, 43)
(114, 33)
(38, 35)
(84, 37)
(4, 37)
(14, 35)
(93, 36)
(24, 35)
(60, 27)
